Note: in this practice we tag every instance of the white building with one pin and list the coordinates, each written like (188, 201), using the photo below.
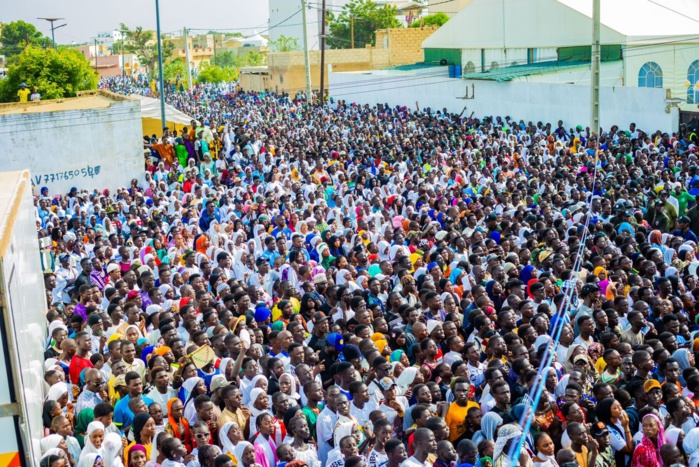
(285, 19)
(109, 38)
(644, 43)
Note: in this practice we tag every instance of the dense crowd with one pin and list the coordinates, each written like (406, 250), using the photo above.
(350, 285)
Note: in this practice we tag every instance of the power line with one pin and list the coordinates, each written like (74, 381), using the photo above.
(674, 11)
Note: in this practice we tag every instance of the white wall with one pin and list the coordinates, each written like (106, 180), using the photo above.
(673, 59)
(24, 315)
(94, 148)
(547, 102)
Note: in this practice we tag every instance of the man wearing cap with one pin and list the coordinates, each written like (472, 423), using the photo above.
(317, 341)
(320, 284)
(684, 231)
(600, 433)
(23, 93)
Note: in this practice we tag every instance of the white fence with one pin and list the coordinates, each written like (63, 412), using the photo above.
(528, 101)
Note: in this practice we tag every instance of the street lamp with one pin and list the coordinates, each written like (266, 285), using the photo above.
(160, 66)
(53, 20)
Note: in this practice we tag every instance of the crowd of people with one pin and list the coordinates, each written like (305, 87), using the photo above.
(349, 285)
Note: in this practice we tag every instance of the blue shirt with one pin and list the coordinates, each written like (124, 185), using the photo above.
(689, 235)
(123, 416)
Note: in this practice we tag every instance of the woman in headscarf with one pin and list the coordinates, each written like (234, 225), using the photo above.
(489, 426)
(111, 447)
(51, 409)
(287, 385)
(501, 454)
(51, 442)
(136, 456)
(259, 404)
(613, 415)
(85, 417)
(259, 381)
(656, 239)
(691, 447)
(228, 444)
(177, 425)
(197, 389)
(90, 460)
(143, 433)
(93, 439)
(647, 452)
(244, 455)
(202, 244)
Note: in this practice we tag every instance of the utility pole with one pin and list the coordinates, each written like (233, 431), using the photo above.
(352, 30)
(306, 55)
(123, 54)
(186, 57)
(595, 62)
(322, 56)
(53, 37)
(160, 66)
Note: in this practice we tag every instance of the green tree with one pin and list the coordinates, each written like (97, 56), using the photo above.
(367, 17)
(284, 44)
(225, 59)
(144, 44)
(216, 74)
(174, 69)
(18, 35)
(55, 73)
(436, 19)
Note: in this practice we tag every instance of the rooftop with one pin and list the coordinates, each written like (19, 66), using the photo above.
(85, 100)
(511, 72)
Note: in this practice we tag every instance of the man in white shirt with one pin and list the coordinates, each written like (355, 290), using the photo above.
(361, 405)
(325, 425)
(424, 445)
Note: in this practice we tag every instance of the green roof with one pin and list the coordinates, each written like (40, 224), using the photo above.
(511, 72)
(415, 66)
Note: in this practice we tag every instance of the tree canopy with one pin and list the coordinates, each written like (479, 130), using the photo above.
(144, 44)
(284, 44)
(367, 17)
(216, 74)
(436, 19)
(55, 73)
(18, 35)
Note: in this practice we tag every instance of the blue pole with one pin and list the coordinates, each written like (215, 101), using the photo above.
(160, 66)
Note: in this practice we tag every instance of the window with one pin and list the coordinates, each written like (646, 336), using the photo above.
(281, 79)
(650, 76)
(693, 78)
(470, 68)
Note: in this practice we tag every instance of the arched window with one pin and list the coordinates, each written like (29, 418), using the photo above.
(693, 78)
(470, 68)
(650, 76)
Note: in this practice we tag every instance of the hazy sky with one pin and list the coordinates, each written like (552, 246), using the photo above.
(85, 18)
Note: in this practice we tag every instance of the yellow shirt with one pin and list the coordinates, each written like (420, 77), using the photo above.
(23, 94)
(456, 419)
